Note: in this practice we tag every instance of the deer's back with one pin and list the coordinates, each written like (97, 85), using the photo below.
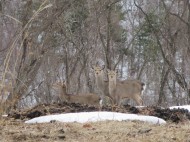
(91, 99)
(133, 83)
(127, 89)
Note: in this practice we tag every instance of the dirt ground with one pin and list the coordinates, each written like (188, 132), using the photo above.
(107, 131)
(13, 128)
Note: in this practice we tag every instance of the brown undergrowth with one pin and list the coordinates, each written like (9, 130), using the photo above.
(13, 128)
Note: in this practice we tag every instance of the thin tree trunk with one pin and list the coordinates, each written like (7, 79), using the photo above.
(163, 82)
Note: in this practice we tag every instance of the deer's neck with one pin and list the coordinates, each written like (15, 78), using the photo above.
(64, 94)
(112, 86)
(100, 80)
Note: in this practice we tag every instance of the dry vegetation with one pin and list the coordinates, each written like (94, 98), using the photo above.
(13, 128)
(109, 131)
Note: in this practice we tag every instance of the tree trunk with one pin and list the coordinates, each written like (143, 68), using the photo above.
(163, 82)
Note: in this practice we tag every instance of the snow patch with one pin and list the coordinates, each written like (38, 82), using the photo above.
(83, 117)
(181, 107)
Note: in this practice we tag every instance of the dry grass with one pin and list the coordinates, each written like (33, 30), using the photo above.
(109, 131)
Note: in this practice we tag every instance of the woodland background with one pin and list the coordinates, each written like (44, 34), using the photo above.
(44, 41)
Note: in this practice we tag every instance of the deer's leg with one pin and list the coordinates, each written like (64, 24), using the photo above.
(103, 100)
(118, 100)
(138, 100)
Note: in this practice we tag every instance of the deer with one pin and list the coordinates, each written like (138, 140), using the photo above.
(102, 85)
(119, 90)
(90, 99)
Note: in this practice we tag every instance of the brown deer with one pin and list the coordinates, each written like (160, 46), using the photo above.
(101, 84)
(119, 90)
(90, 99)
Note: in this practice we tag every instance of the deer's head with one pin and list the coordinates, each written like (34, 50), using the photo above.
(112, 75)
(98, 70)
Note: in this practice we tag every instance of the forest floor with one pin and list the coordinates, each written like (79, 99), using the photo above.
(177, 128)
